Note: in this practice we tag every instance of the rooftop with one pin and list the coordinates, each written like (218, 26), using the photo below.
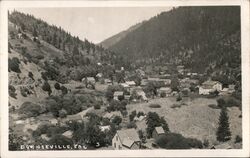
(118, 93)
(159, 130)
(128, 136)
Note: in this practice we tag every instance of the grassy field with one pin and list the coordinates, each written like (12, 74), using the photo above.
(196, 119)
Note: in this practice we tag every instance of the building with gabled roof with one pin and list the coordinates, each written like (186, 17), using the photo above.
(118, 94)
(68, 134)
(157, 132)
(130, 83)
(126, 139)
(210, 86)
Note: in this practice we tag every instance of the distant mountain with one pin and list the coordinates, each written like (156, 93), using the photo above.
(203, 39)
(116, 38)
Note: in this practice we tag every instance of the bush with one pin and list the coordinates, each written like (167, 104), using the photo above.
(221, 103)
(30, 109)
(57, 86)
(12, 91)
(13, 65)
(132, 115)
(176, 106)
(179, 98)
(163, 94)
(205, 143)
(131, 125)
(140, 114)
(155, 106)
(117, 120)
(177, 141)
(46, 87)
(233, 102)
(238, 139)
(64, 90)
(62, 113)
(23, 93)
(39, 57)
(213, 106)
(97, 106)
(30, 74)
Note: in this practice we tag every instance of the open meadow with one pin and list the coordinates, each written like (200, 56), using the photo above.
(195, 119)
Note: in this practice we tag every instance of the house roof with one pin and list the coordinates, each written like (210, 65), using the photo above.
(125, 85)
(128, 136)
(209, 84)
(107, 80)
(90, 78)
(130, 83)
(68, 134)
(118, 93)
(159, 130)
(112, 114)
(74, 117)
(165, 89)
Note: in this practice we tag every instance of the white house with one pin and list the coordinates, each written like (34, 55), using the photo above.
(126, 139)
(166, 90)
(130, 83)
(118, 94)
(89, 80)
(210, 86)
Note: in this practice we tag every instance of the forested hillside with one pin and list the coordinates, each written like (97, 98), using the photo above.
(116, 38)
(63, 56)
(204, 39)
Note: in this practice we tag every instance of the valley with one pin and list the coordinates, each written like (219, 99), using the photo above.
(149, 87)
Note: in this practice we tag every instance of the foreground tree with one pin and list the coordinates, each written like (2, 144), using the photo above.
(153, 120)
(223, 132)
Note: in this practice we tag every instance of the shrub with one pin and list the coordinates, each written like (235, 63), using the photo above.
(12, 91)
(132, 115)
(39, 57)
(177, 141)
(46, 87)
(155, 106)
(43, 74)
(213, 106)
(163, 94)
(64, 90)
(238, 139)
(62, 113)
(30, 109)
(30, 74)
(205, 143)
(13, 64)
(140, 114)
(97, 106)
(176, 106)
(131, 125)
(221, 102)
(117, 120)
(57, 86)
(24, 91)
(179, 98)
(233, 102)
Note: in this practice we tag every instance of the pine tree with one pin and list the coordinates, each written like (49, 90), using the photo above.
(223, 132)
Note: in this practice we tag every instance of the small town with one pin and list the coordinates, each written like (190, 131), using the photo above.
(63, 93)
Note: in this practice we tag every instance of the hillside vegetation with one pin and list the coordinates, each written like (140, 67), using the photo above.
(204, 39)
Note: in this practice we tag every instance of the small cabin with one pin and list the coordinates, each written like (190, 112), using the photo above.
(157, 132)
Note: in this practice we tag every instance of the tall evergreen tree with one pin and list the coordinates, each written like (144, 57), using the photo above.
(223, 132)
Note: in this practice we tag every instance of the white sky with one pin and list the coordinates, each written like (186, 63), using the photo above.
(94, 24)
